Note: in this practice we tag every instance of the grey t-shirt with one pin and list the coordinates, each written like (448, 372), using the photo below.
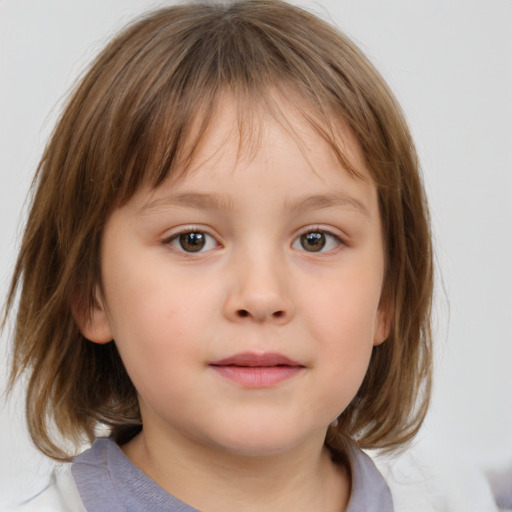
(108, 482)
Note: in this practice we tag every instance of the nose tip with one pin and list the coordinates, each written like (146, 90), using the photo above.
(259, 300)
(257, 286)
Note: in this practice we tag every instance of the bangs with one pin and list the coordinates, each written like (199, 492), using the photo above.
(158, 89)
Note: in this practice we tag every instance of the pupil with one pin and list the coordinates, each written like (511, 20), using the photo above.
(192, 242)
(313, 242)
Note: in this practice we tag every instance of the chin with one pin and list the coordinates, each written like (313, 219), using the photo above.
(261, 440)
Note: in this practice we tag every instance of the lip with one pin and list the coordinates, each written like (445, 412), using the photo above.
(253, 370)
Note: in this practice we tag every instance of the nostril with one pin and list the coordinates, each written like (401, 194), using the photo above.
(243, 313)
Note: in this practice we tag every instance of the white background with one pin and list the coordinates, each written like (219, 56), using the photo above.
(449, 63)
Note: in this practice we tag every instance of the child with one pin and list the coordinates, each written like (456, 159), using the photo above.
(228, 264)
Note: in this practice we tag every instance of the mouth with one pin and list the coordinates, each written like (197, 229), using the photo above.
(257, 370)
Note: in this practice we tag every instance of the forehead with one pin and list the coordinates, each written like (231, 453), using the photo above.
(176, 144)
(281, 145)
(237, 131)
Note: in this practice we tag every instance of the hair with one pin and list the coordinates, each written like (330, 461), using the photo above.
(137, 117)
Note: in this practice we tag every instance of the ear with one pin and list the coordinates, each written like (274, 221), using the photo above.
(92, 321)
(383, 323)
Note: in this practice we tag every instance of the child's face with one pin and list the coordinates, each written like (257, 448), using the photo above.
(251, 261)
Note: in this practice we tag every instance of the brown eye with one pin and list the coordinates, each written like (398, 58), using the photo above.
(193, 241)
(313, 241)
(317, 241)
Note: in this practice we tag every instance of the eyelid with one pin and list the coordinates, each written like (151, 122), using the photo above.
(321, 228)
(188, 228)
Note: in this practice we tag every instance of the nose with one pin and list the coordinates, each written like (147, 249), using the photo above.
(259, 291)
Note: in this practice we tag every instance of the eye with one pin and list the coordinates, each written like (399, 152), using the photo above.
(193, 241)
(317, 241)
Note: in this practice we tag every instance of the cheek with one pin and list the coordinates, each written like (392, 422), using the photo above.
(145, 293)
(341, 320)
(344, 312)
(157, 321)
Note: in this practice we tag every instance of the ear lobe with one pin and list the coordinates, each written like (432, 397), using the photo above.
(383, 324)
(92, 321)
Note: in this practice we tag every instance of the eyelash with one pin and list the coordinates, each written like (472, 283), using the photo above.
(329, 239)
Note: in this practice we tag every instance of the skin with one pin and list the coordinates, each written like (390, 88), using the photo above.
(254, 287)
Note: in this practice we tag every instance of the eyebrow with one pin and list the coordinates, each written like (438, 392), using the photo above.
(190, 199)
(221, 202)
(320, 201)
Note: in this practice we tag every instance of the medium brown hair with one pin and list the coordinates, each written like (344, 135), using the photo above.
(128, 124)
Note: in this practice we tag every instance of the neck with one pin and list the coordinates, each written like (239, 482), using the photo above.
(301, 479)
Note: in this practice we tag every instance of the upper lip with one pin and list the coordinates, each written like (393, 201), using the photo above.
(253, 359)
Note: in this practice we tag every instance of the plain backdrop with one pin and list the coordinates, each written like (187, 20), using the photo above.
(450, 65)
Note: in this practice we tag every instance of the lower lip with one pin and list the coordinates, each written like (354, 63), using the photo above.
(257, 376)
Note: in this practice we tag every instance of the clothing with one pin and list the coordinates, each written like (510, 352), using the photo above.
(424, 478)
(102, 479)
(60, 495)
(501, 485)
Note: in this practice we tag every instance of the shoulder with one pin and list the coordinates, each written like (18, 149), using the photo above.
(369, 489)
(60, 495)
(424, 480)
